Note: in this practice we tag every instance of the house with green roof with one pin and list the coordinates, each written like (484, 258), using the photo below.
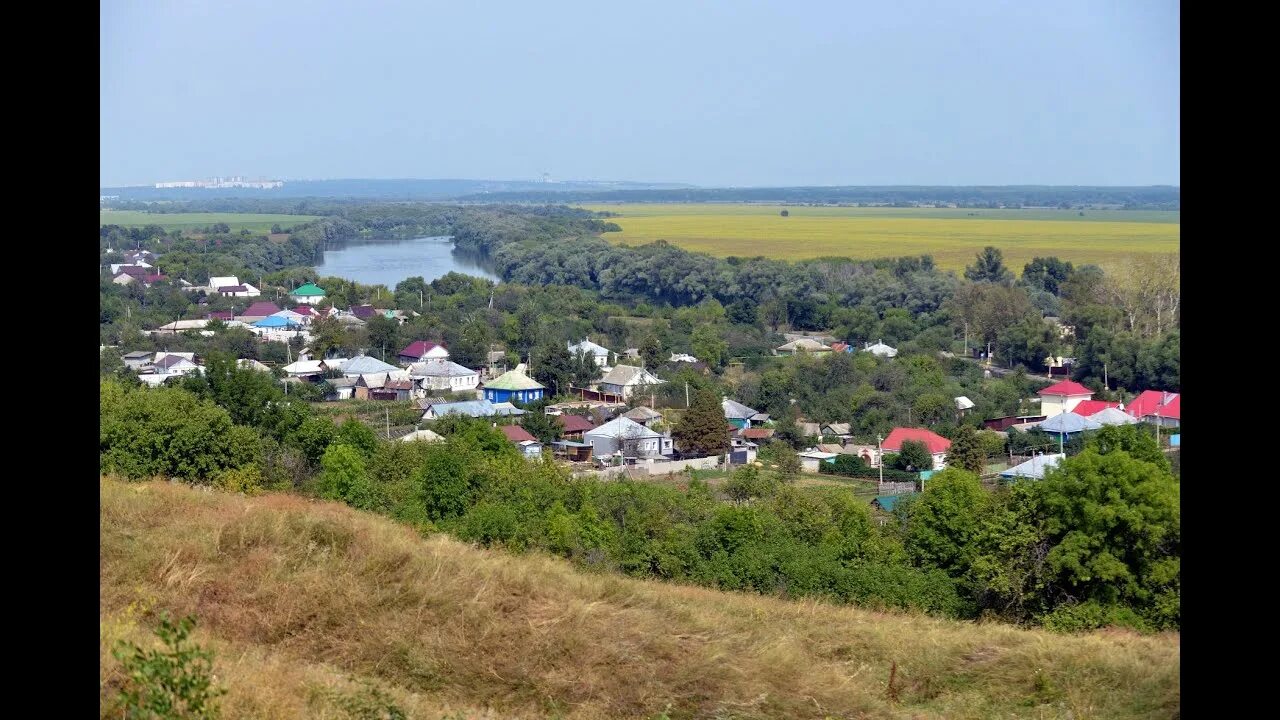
(513, 386)
(309, 294)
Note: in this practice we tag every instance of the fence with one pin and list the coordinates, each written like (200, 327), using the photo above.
(897, 488)
(658, 468)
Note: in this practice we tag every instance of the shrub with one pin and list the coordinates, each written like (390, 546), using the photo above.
(173, 682)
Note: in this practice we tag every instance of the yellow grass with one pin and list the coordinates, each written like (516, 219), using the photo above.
(303, 601)
(951, 236)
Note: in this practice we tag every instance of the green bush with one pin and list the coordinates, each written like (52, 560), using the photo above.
(173, 682)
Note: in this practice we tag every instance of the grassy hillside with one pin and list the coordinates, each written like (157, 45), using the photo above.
(951, 236)
(305, 601)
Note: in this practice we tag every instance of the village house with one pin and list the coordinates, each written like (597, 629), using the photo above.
(420, 350)
(598, 353)
(736, 413)
(879, 349)
(258, 311)
(309, 294)
(1062, 397)
(528, 444)
(1156, 406)
(438, 374)
(513, 386)
(936, 444)
(573, 426)
(643, 415)
(626, 380)
(840, 430)
(344, 388)
(137, 359)
(627, 437)
(470, 408)
(812, 458)
(802, 346)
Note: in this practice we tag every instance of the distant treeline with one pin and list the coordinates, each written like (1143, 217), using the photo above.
(1161, 197)
(1158, 197)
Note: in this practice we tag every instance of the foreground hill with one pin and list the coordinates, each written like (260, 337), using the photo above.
(305, 604)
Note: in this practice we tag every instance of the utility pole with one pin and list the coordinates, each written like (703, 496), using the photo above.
(686, 394)
(966, 338)
(880, 461)
(1105, 383)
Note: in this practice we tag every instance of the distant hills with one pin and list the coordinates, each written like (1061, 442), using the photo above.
(1155, 197)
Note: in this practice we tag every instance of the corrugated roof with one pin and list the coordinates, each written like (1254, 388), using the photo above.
(1068, 423)
(363, 364)
(1112, 416)
(439, 367)
(513, 380)
(516, 434)
(1066, 387)
(262, 308)
(935, 442)
(1156, 402)
(622, 427)
(308, 290)
(625, 375)
(735, 410)
(418, 348)
(642, 414)
(574, 423)
(1035, 467)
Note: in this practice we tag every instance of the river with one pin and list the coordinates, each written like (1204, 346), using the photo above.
(387, 262)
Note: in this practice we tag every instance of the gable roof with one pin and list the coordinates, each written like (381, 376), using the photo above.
(622, 427)
(625, 375)
(804, 344)
(1087, 408)
(963, 402)
(513, 380)
(1066, 388)
(223, 281)
(588, 347)
(308, 290)
(1155, 402)
(423, 435)
(932, 440)
(1068, 423)
(363, 364)
(419, 348)
(305, 367)
(838, 428)
(364, 312)
(734, 410)
(757, 433)
(574, 423)
(880, 349)
(474, 408)
(517, 434)
(233, 289)
(1112, 416)
(262, 308)
(275, 321)
(642, 414)
(1035, 467)
(439, 367)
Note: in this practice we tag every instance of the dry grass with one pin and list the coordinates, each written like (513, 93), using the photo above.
(300, 599)
(952, 237)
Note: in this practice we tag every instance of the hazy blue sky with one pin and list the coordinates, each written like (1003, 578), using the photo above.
(711, 93)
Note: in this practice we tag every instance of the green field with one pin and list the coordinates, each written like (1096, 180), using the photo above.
(255, 222)
(952, 236)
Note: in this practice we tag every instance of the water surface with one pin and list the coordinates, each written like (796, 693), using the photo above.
(387, 262)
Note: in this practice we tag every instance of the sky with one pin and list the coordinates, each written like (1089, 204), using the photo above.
(839, 92)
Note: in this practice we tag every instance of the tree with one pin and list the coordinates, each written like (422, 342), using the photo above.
(542, 426)
(702, 429)
(785, 213)
(914, 456)
(344, 477)
(1113, 525)
(383, 334)
(652, 351)
(989, 309)
(708, 346)
(966, 451)
(944, 521)
(585, 369)
(553, 366)
(358, 436)
(1047, 273)
(989, 267)
(781, 457)
(174, 682)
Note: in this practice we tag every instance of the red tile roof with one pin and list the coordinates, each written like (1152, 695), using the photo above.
(757, 433)
(516, 434)
(839, 347)
(305, 310)
(1149, 403)
(1066, 387)
(152, 278)
(574, 423)
(261, 308)
(1088, 407)
(935, 442)
(419, 348)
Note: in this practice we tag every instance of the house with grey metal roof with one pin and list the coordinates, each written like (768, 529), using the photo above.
(625, 380)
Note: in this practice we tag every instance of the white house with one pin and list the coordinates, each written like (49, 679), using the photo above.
(879, 349)
(629, 436)
(599, 353)
(625, 380)
(810, 460)
(309, 294)
(682, 357)
(437, 374)
(1062, 397)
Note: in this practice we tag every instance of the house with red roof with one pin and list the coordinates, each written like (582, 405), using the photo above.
(1086, 408)
(527, 443)
(258, 311)
(573, 426)
(936, 444)
(420, 350)
(1156, 406)
(1062, 397)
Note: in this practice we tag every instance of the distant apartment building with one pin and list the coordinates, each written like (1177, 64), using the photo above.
(219, 182)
